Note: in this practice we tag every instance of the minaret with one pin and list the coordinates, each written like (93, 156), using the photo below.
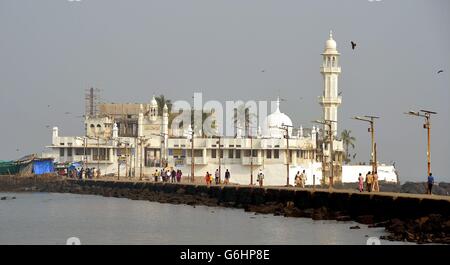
(165, 128)
(141, 121)
(330, 100)
(153, 109)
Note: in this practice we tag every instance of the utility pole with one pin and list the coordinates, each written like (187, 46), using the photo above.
(371, 120)
(427, 125)
(251, 159)
(98, 154)
(220, 159)
(330, 133)
(288, 157)
(192, 157)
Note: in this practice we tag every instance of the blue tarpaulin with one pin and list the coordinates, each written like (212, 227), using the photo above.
(43, 166)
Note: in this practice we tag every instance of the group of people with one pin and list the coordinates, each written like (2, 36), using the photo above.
(217, 177)
(300, 179)
(371, 182)
(88, 173)
(167, 175)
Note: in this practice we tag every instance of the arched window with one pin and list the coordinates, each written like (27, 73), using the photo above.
(92, 129)
(333, 62)
(99, 128)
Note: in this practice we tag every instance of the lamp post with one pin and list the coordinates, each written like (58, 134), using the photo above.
(330, 132)
(371, 120)
(220, 157)
(191, 137)
(142, 140)
(286, 127)
(427, 125)
(250, 135)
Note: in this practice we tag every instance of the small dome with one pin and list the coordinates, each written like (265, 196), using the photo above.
(330, 44)
(153, 102)
(275, 121)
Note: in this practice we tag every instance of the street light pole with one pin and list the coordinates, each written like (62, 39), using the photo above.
(427, 125)
(371, 120)
(192, 157)
(220, 159)
(330, 131)
(286, 129)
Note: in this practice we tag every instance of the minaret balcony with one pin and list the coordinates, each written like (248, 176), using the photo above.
(330, 69)
(330, 100)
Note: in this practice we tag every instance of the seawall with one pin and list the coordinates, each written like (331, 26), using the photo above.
(418, 218)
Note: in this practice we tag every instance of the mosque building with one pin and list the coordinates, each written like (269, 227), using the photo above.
(134, 140)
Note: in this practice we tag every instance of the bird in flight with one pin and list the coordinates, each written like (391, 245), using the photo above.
(440, 71)
(340, 93)
(353, 45)
(263, 70)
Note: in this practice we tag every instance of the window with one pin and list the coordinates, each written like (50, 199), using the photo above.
(61, 152)
(69, 151)
(268, 154)
(246, 153)
(100, 154)
(79, 151)
(198, 153)
(230, 153)
(213, 153)
(276, 153)
(238, 153)
(255, 153)
(221, 153)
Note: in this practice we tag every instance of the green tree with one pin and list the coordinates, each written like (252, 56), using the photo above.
(349, 141)
(162, 100)
(240, 112)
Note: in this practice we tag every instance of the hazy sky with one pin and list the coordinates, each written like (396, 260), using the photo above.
(52, 50)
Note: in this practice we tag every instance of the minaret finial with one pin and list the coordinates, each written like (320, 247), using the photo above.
(331, 34)
(278, 103)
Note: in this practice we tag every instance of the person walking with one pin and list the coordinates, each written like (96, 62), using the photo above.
(368, 181)
(375, 185)
(156, 175)
(260, 178)
(298, 179)
(173, 176)
(178, 175)
(167, 178)
(303, 179)
(430, 183)
(361, 182)
(217, 177)
(208, 178)
(227, 177)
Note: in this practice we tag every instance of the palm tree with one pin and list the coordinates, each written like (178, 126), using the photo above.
(242, 111)
(348, 141)
(161, 99)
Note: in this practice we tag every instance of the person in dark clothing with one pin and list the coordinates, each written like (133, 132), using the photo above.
(227, 177)
(173, 176)
(430, 183)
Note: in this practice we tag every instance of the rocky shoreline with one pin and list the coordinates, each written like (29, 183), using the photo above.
(418, 228)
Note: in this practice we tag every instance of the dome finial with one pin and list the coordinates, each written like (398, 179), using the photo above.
(331, 34)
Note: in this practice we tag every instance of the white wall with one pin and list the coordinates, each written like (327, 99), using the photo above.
(350, 173)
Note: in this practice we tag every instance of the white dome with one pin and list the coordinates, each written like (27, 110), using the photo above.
(153, 102)
(330, 44)
(275, 121)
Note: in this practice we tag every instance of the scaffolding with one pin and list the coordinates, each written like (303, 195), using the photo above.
(92, 99)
